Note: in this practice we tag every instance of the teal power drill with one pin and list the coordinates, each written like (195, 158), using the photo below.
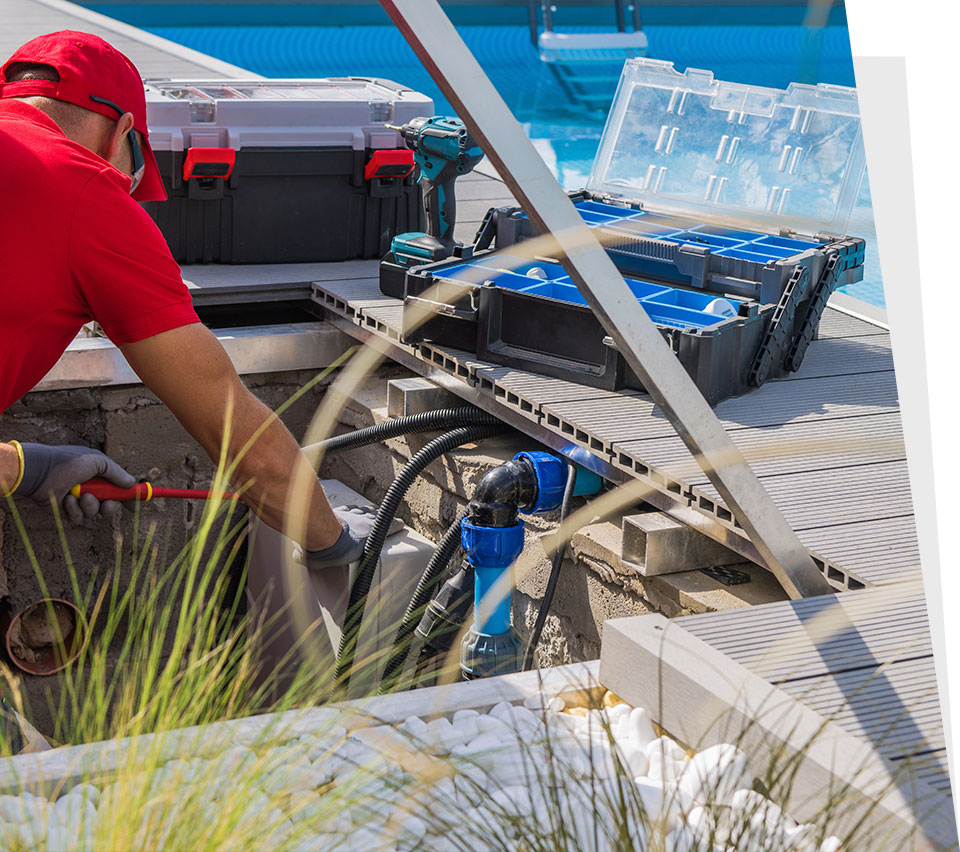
(444, 150)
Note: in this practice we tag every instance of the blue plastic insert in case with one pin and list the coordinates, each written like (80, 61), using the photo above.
(666, 306)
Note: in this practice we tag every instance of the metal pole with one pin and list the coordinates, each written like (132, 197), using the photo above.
(636, 16)
(454, 69)
(621, 17)
(532, 20)
(545, 7)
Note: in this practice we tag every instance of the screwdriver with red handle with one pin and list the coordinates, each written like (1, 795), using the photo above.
(103, 489)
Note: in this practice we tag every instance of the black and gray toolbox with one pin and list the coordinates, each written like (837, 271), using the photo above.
(724, 206)
(274, 171)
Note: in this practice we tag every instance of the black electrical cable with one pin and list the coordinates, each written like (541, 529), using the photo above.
(432, 574)
(388, 509)
(528, 657)
(427, 421)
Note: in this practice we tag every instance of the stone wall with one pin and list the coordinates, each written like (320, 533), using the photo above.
(134, 428)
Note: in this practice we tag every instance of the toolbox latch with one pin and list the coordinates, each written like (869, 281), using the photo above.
(205, 172)
(209, 163)
(387, 170)
(397, 163)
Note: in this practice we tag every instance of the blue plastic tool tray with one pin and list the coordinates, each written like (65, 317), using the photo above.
(692, 253)
(666, 306)
(528, 314)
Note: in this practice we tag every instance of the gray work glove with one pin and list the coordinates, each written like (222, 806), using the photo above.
(53, 471)
(357, 523)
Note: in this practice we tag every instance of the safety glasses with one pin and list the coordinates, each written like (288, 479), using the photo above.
(139, 164)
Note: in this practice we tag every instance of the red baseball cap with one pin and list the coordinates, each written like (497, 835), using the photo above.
(93, 75)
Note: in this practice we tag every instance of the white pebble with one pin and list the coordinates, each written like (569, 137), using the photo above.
(540, 702)
(460, 715)
(713, 775)
(635, 759)
(22, 809)
(87, 791)
(680, 840)
(500, 709)
(640, 728)
(618, 712)
(831, 844)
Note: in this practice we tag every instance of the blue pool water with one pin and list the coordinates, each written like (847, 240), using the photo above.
(565, 136)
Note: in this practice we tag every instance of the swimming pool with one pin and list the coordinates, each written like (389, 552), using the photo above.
(567, 138)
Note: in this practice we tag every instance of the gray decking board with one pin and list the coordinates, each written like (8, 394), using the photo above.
(878, 551)
(622, 420)
(870, 670)
(827, 498)
(898, 710)
(774, 641)
(25, 19)
(836, 323)
(790, 447)
(840, 356)
(850, 484)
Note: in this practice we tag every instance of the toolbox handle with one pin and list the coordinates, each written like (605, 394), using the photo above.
(209, 163)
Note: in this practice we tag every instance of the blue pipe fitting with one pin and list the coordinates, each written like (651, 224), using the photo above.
(551, 475)
(492, 551)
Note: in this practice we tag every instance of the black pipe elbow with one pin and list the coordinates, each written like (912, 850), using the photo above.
(502, 492)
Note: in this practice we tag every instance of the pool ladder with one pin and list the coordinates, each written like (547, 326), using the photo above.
(587, 65)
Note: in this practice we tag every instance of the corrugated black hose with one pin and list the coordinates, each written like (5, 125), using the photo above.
(428, 421)
(528, 657)
(388, 509)
(432, 575)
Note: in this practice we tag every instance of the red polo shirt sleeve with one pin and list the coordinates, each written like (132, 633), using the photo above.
(121, 265)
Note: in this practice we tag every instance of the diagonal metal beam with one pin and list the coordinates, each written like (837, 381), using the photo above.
(443, 53)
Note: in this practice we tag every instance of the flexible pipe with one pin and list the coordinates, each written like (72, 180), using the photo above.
(388, 509)
(528, 656)
(435, 569)
(427, 421)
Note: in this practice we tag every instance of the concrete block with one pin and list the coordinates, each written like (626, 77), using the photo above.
(654, 543)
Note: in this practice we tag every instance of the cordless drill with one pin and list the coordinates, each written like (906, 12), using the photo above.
(444, 150)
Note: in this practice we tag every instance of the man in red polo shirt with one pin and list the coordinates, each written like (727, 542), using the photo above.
(76, 246)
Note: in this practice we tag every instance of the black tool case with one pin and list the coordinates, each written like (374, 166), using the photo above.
(701, 190)
(275, 171)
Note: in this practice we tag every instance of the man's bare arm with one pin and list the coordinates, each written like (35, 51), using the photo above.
(188, 369)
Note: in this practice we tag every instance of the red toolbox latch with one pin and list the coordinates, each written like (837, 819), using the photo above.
(209, 162)
(387, 163)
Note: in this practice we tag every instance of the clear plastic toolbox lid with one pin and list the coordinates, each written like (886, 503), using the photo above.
(726, 152)
(333, 111)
